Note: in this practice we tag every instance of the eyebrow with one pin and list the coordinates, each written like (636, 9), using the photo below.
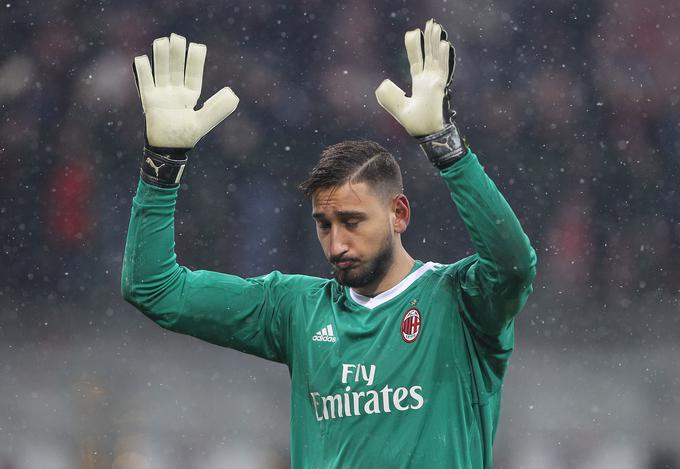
(344, 214)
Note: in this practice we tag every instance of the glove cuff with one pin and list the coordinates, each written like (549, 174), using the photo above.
(163, 167)
(445, 147)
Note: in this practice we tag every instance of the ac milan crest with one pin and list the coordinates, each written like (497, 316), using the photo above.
(410, 325)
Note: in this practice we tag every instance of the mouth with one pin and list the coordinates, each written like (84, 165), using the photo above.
(344, 265)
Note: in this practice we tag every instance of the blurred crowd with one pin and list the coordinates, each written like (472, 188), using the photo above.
(572, 106)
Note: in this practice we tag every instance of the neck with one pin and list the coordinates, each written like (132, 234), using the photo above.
(400, 268)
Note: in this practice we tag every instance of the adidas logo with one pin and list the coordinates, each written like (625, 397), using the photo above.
(325, 335)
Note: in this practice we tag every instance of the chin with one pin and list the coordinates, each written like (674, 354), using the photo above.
(357, 277)
(367, 272)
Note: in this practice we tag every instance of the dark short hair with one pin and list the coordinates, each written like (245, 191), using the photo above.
(355, 161)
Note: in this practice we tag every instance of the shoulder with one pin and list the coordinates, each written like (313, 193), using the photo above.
(295, 283)
(453, 270)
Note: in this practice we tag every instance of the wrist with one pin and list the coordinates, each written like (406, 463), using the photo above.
(163, 167)
(445, 147)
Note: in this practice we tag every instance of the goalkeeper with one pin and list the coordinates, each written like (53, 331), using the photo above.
(395, 362)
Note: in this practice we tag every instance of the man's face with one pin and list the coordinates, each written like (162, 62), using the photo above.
(354, 226)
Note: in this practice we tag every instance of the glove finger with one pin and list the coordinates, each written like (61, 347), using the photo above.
(414, 50)
(390, 97)
(195, 63)
(216, 109)
(435, 35)
(447, 56)
(446, 62)
(428, 44)
(178, 47)
(161, 61)
(143, 76)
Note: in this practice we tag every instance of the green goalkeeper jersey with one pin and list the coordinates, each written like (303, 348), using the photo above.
(410, 378)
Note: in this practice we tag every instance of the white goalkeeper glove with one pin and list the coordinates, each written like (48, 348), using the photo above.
(421, 114)
(173, 127)
(425, 112)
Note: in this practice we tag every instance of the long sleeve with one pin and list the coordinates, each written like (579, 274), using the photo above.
(244, 314)
(497, 282)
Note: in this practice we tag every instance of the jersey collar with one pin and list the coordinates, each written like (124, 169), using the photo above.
(387, 295)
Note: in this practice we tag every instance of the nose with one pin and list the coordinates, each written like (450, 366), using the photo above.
(337, 243)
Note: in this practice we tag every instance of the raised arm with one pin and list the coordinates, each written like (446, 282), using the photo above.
(219, 308)
(496, 281)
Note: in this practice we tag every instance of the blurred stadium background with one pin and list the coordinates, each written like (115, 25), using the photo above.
(573, 106)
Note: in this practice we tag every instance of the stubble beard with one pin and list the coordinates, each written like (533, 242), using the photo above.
(376, 269)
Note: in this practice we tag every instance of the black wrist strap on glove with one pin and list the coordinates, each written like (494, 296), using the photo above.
(445, 147)
(163, 167)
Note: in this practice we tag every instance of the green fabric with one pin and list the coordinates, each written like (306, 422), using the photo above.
(370, 398)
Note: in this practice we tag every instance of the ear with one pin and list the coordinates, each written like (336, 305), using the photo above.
(401, 211)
